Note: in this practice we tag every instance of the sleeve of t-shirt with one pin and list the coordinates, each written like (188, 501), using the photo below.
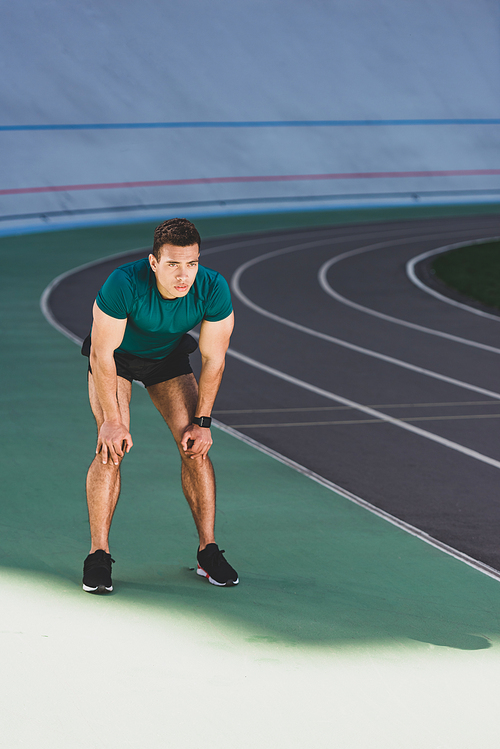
(116, 295)
(219, 303)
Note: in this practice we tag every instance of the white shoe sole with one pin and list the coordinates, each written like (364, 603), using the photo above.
(97, 589)
(229, 584)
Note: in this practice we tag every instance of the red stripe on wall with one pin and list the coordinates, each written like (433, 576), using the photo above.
(234, 180)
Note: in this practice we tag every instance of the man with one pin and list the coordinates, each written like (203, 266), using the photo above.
(141, 317)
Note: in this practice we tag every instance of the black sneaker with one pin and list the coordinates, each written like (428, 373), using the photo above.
(213, 566)
(97, 572)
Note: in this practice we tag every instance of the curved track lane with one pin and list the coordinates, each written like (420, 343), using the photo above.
(342, 364)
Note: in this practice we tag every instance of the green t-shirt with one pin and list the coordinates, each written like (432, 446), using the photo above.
(156, 325)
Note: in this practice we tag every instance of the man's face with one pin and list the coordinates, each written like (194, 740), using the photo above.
(176, 269)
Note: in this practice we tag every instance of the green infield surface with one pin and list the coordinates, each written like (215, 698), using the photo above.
(474, 270)
(345, 630)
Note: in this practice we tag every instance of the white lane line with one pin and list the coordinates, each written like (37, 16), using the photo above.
(235, 285)
(410, 271)
(344, 408)
(411, 529)
(364, 421)
(325, 285)
(365, 409)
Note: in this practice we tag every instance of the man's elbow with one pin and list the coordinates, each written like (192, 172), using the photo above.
(214, 363)
(92, 358)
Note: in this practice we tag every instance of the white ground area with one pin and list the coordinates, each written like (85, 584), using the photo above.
(80, 672)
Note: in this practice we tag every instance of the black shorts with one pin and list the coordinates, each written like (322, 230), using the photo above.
(152, 371)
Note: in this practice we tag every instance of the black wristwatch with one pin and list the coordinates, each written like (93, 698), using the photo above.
(202, 421)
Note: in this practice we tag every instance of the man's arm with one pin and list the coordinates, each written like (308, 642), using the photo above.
(213, 344)
(107, 333)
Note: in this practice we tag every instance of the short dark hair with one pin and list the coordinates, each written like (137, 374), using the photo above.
(176, 231)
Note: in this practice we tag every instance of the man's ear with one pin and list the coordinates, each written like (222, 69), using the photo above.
(153, 262)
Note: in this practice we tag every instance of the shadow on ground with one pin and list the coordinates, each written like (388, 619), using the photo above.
(314, 568)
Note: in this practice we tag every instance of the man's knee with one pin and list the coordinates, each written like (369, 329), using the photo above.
(195, 463)
(185, 458)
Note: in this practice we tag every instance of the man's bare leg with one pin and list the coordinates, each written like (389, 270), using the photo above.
(103, 480)
(176, 401)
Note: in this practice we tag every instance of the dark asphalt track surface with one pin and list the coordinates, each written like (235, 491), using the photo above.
(438, 480)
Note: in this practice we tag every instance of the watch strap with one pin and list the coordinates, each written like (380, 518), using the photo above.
(202, 421)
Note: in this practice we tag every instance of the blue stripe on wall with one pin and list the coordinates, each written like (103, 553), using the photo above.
(270, 123)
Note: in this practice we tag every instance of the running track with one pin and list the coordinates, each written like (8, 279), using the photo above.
(342, 364)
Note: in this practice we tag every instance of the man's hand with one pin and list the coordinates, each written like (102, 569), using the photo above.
(196, 441)
(114, 441)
